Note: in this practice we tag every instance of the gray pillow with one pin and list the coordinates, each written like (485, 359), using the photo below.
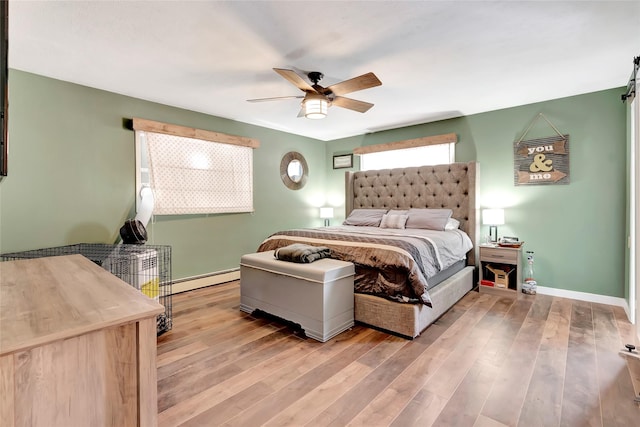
(365, 217)
(431, 219)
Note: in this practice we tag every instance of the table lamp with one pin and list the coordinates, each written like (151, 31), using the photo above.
(493, 218)
(326, 214)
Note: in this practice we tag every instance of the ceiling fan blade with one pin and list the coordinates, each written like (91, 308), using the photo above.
(351, 104)
(277, 98)
(362, 82)
(295, 79)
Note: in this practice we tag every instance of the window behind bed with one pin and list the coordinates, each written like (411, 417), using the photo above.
(433, 150)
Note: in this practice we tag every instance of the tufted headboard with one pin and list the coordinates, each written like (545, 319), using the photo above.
(453, 186)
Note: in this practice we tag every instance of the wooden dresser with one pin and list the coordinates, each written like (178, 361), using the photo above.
(77, 346)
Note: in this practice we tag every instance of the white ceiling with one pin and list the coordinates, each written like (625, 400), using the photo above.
(436, 59)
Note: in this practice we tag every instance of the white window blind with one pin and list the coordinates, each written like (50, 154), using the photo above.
(194, 176)
(428, 150)
(406, 157)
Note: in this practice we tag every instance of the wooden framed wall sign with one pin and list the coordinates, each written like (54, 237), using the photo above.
(542, 161)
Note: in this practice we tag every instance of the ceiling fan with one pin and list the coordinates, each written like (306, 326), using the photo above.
(317, 99)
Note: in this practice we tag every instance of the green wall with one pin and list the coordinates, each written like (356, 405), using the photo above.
(71, 179)
(577, 231)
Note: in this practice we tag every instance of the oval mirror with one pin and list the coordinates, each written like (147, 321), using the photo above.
(294, 170)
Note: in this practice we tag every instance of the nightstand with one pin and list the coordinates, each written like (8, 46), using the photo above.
(500, 270)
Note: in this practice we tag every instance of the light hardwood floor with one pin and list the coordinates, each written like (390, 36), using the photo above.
(489, 361)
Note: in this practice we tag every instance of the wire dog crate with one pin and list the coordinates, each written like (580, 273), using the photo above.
(145, 267)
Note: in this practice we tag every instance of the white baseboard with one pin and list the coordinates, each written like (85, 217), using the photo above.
(585, 296)
(214, 278)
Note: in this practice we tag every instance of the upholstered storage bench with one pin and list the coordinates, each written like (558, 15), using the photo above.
(318, 296)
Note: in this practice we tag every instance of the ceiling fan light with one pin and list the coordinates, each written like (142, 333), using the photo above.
(315, 108)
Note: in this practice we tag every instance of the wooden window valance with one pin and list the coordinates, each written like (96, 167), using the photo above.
(407, 143)
(187, 132)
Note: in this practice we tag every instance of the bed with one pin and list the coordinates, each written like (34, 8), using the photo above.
(396, 290)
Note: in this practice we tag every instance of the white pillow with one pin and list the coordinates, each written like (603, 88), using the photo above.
(393, 221)
(452, 224)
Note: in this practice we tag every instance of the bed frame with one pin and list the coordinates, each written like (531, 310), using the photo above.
(453, 186)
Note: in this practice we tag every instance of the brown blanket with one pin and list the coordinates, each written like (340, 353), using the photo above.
(384, 266)
(299, 252)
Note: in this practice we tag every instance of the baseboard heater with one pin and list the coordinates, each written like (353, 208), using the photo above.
(204, 280)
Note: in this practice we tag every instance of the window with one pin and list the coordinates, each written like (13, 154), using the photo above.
(417, 156)
(192, 171)
(433, 150)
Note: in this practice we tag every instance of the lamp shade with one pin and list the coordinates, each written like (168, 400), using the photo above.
(315, 107)
(493, 216)
(326, 213)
